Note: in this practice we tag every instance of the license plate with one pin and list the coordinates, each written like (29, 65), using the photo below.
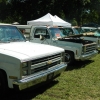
(50, 76)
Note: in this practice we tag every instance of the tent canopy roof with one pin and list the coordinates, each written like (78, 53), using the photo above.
(61, 20)
(49, 20)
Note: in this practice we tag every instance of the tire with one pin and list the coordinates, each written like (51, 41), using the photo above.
(69, 57)
(3, 83)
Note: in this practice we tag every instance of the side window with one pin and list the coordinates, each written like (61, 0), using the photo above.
(42, 32)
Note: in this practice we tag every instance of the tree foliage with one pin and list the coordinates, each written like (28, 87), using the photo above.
(83, 11)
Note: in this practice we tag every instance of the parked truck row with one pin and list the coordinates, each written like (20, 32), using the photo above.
(42, 54)
(24, 64)
(75, 47)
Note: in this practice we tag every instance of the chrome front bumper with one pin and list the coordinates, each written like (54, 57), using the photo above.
(40, 77)
(88, 56)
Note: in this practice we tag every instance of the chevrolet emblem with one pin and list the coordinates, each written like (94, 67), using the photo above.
(49, 62)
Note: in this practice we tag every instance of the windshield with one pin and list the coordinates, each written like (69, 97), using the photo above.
(76, 30)
(83, 30)
(58, 32)
(96, 32)
(10, 34)
(69, 31)
(80, 30)
(86, 30)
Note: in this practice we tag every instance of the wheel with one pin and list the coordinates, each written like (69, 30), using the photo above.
(3, 83)
(69, 57)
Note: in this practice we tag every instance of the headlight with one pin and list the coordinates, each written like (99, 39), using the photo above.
(84, 49)
(24, 69)
(63, 57)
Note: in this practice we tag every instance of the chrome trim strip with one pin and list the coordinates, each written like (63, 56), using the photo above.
(44, 63)
(39, 77)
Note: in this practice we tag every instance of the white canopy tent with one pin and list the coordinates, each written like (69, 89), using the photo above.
(48, 20)
(61, 20)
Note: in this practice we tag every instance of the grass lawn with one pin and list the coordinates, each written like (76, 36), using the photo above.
(81, 81)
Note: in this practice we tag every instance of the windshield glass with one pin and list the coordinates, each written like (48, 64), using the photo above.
(83, 30)
(96, 32)
(10, 34)
(76, 30)
(69, 31)
(86, 30)
(58, 32)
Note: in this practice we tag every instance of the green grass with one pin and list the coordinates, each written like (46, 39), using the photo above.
(81, 81)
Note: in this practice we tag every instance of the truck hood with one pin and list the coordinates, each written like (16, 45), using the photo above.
(26, 50)
(76, 40)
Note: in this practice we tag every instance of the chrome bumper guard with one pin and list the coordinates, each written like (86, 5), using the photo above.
(40, 77)
(89, 56)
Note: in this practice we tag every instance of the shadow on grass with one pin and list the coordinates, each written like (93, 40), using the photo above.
(29, 93)
(78, 64)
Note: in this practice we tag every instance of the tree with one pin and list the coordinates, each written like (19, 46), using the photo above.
(74, 22)
(23, 10)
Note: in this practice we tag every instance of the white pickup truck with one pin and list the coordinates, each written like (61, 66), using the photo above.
(75, 47)
(24, 64)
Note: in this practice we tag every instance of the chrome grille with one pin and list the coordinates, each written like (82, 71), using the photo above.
(45, 63)
(87, 49)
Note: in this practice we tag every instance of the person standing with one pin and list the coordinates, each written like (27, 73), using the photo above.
(23, 32)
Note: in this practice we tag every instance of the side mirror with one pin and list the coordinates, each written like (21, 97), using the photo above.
(41, 37)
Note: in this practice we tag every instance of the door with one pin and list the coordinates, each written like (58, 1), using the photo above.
(41, 35)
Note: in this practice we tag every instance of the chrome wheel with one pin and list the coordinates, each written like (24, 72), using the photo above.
(69, 57)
